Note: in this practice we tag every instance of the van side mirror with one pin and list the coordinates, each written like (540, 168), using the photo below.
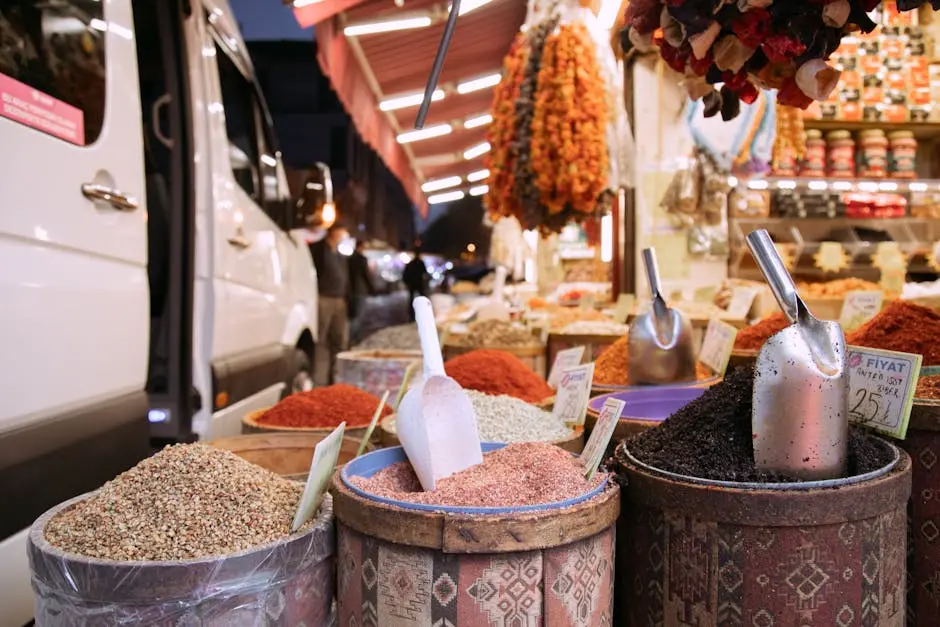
(316, 198)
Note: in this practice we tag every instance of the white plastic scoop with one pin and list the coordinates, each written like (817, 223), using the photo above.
(436, 423)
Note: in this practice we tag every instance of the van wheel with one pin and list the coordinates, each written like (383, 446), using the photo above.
(302, 378)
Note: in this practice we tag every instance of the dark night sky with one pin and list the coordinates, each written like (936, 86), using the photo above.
(268, 20)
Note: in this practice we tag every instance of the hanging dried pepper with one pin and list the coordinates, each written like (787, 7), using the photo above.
(569, 147)
(500, 199)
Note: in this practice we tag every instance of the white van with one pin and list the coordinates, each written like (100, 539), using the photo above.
(150, 288)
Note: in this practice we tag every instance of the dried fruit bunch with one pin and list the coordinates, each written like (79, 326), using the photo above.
(750, 44)
(569, 145)
(790, 142)
(501, 134)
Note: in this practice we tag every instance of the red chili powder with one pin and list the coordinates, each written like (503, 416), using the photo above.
(752, 338)
(322, 408)
(497, 372)
(530, 473)
(903, 327)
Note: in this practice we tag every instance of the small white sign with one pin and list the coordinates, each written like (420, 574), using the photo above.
(881, 388)
(717, 346)
(574, 392)
(742, 298)
(565, 360)
(321, 469)
(593, 453)
(859, 307)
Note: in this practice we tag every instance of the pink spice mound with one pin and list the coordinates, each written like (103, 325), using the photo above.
(529, 473)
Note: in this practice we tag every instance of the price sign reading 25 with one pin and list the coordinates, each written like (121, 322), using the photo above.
(869, 407)
(881, 388)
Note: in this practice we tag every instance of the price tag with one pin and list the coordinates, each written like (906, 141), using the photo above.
(565, 360)
(321, 469)
(587, 300)
(593, 453)
(742, 298)
(705, 294)
(574, 392)
(881, 388)
(625, 305)
(831, 257)
(717, 346)
(859, 307)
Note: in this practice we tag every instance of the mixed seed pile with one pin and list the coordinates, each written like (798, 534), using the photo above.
(400, 337)
(495, 333)
(508, 419)
(187, 501)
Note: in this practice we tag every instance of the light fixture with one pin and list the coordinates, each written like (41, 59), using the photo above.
(476, 151)
(476, 84)
(470, 5)
(479, 175)
(438, 130)
(607, 238)
(439, 184)
(328, 214)
(408, 100)
(478, 120)
(387, 26)
(479, 190)
(445, 197)
(757, 184)
(818, 186)
(299, 4)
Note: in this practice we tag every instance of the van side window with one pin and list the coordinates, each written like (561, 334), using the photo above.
(56, 48)
(240, 125)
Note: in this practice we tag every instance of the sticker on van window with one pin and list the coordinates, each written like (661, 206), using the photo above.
(21, 103)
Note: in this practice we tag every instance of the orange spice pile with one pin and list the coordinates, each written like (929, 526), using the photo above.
(752, 338)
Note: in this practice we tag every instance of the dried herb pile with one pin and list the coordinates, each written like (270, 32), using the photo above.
(711, 438)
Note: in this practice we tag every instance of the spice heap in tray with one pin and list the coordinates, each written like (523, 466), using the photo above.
(516, 475)
(507, 419)
(489, 333)
(903, 327)
(324, 408)
(185, 502)
(497, 372)
(400, 337)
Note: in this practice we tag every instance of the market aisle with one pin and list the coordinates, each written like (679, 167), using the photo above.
(380, 312)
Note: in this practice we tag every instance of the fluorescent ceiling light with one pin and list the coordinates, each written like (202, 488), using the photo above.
(476, 151)
(476, 84)
(387, 26)
(438, 130)
(479, 190)
(299, 4)
(268, 160)
(439, 184)
(479, 175)
(470, 5)
(478, 120)
(446, 197)
(411, 100)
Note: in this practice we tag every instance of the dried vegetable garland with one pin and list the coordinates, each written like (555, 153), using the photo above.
(501, 134)
(569, 147)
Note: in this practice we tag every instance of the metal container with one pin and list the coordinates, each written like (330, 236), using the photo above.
(375, 370)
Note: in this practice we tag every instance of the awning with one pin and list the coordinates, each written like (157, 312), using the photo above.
(367, 69)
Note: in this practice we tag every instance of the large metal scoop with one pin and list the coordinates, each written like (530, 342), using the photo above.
(436, 423)
(660, 341)
(799, 417)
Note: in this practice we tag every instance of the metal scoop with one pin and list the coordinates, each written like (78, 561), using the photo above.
(799, 417)
(660, 341)
(436, 422)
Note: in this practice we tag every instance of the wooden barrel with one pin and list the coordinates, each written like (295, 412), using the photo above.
(594, 345)
(531, 356)
(923, 445)
(389, 437)
(761, 556)
(289, 582)
(286, 454)
(553, 568)
(376, 371)
(250, 425)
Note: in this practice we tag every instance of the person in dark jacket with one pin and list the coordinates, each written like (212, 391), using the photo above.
(415, 278)
(360, 281)
(332, 316)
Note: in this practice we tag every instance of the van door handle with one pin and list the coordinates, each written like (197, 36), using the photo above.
(239, 241)
(118, 200)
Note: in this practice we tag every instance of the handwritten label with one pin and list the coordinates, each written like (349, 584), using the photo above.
(717, 346)
(564, 360)
(859, 307)
(831, 257)
(742, 298)
(881, 388)
(596, 447)
(625, 305)
(31, 107)
(587, 300)
(574, 392)
(321, 469)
